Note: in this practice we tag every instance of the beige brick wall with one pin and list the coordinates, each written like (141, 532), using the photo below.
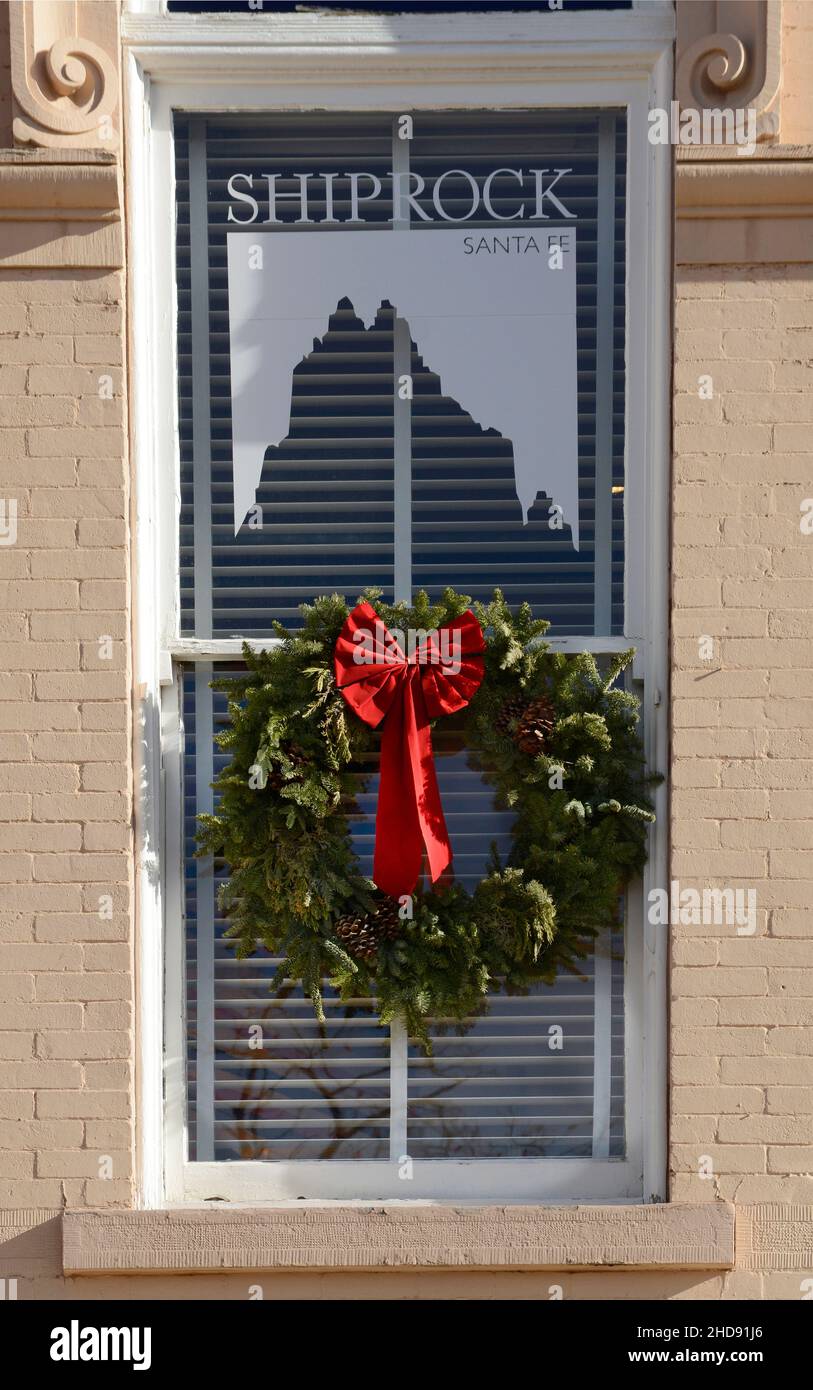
(66, 1049)
(742, 773)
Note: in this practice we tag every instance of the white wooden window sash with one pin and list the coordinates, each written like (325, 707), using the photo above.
(202, 72)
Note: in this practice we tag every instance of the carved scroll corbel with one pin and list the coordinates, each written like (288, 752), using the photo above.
(65, 86)
(709, 67)
(728, 55)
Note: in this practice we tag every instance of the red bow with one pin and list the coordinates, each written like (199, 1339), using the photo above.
(379, 682)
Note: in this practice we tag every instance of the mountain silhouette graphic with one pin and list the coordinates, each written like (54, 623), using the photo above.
(326, 492)
(500, 331)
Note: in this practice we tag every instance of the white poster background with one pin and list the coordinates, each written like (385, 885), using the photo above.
(497, 326)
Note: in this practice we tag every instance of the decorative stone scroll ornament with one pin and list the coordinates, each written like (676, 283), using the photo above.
(728, 55)
(64, 73)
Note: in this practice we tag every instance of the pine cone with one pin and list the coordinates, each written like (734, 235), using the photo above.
(535, 726)
(356, 935)
(510, 713)
(361, 935)
(386, 920)
(295, 755)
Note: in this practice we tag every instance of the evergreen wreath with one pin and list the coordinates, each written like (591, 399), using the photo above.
(560, 743)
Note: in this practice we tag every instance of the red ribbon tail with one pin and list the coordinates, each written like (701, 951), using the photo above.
(410, 815)
(404, 694)
(430, 810)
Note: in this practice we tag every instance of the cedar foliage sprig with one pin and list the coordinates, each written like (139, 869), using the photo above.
(581, 812)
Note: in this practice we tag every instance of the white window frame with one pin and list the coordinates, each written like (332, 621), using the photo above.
(388, 64)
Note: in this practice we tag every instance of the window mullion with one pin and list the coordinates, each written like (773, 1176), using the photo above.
(399, 1044)
(201, 376)
(402, 499)
(204, 923)
(204, 713)
(402, 408)
(605, 287)
(402, 450)
(602, 1043)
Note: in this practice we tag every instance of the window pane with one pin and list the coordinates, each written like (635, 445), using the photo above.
(511, 1085)
(326, 491)
(282, 1086)
(266, 1079)
(468, 528)
(324, 519)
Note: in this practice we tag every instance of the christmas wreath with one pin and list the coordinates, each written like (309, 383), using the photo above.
(556, 738)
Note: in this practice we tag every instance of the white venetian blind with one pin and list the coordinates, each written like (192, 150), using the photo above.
(327, 491)
(510, 1085)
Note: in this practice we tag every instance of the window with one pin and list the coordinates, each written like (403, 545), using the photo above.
(353, 495)
(351, 491)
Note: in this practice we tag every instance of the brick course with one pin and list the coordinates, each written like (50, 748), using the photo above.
(743, 731)
(65, 780)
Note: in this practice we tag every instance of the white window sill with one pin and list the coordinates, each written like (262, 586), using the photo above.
(341, 1236)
